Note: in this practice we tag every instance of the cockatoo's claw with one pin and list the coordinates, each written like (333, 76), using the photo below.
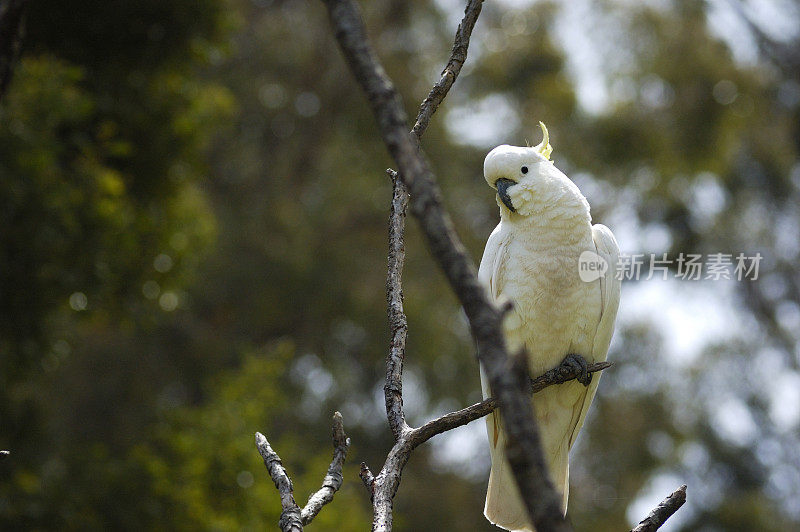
(575, 363)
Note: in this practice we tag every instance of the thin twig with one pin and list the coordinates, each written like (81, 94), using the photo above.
(293, 518)
(466, 415)
(333, 479)
(523, 447)
(367, 478)
(659, 515)
(388, 480)
(398, 323)
(457, 58)
(563, 374)
(290, 520)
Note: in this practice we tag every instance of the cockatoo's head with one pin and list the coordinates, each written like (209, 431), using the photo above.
(527, 182)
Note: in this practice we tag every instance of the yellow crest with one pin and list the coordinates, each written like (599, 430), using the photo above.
(544, 147)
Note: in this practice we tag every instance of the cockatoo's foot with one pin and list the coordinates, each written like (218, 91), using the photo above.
(576, 364)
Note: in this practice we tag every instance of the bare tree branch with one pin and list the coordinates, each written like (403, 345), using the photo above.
(397, 319)
(659, 515)
(562, 374)
(293, 518)
(333, 480)
(11, 29)
(469, 414)
(383, 487)
(457, 58)
(523, 448)
(388, 480)
(398, 323)
(367, 478)
(290, 517)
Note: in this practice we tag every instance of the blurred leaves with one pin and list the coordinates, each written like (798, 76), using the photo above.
(192, 248)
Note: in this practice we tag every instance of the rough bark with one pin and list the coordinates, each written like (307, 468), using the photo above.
(293, 518)
(398, 323)
(659, 515)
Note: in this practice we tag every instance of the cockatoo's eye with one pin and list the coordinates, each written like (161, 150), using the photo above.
(524, 169)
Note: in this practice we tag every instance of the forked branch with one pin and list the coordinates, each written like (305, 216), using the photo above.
(293, 518)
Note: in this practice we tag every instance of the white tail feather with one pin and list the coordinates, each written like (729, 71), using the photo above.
(504, 507)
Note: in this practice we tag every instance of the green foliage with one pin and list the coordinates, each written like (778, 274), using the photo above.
(92, 186)
(205, 177)
(205, 472)
(102, 148)
(76, 218)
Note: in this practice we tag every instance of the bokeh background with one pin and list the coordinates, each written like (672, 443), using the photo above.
(192, 248)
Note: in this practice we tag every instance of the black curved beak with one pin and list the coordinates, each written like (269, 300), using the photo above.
(503, 185)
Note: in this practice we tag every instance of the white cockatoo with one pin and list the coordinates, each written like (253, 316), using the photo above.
(558, 271)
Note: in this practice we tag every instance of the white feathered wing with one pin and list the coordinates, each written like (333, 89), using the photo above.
(503, 504)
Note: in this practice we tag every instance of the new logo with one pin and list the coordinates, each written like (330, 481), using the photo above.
(591, 266)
